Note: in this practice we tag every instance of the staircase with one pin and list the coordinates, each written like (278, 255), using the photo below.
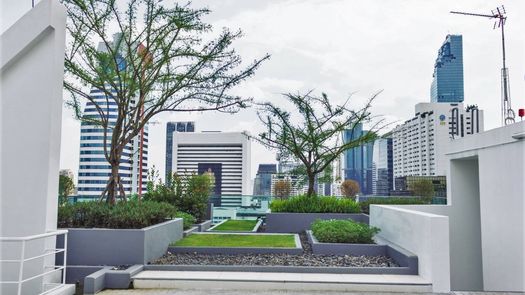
(230, 280)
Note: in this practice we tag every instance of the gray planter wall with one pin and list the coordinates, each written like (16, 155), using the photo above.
(299, 222)
(204, 226)
(403, 258)
(100, 246)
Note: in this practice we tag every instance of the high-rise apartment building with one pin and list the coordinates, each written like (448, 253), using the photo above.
(172, 127)
(447, 82)
(94, 170)
(357, 162)
(420, 144)
(382, 167)
(262, 185)
(225, 154)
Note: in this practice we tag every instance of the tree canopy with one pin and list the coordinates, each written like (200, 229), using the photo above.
(313, 139)
(162, 58)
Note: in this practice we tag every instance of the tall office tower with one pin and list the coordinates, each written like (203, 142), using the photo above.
(94, 170)
(357, 162)
(263, 180)
(382, 167)
(172, 127)
(447, 84)
(420, 144)
(225, 154)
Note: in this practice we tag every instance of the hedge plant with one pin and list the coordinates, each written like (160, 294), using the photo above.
(187, 219)
(365, 205)
(131, 214)
(315, 204)
(343, 231)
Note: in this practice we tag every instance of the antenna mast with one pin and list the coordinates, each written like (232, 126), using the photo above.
(507, 113)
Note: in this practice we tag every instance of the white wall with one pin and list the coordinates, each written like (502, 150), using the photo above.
(31, 67)
(485, 213)
(501, 161)
(424, 234)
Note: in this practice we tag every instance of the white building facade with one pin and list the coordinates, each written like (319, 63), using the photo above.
(225, 154)
(419, 145)
(94, 169)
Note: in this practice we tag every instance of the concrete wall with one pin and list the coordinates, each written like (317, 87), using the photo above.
(101, 246)
(424, 234)
(500, 155)
(486, 221)
(31, 70)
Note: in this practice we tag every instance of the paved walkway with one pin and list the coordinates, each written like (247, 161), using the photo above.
(244, 292)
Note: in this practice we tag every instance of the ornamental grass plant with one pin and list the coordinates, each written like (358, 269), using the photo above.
(315, 204)
(343, 231)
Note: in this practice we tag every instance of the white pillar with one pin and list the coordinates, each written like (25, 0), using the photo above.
(31, 77)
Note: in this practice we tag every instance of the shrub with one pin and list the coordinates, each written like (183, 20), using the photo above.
(343, 231)
(188, 219)
(189, 193)
(131, 214)
(365, 205)
(314, 204)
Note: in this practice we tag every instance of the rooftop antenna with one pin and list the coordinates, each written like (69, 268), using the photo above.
(507, 113)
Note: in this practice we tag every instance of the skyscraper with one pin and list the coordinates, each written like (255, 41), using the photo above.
(357, 162)
(94, 170)
(447, 84)
(263, 180)
(172, 127)
(382, 167)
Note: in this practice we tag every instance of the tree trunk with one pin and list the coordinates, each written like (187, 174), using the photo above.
(114, 185)
(311, 184)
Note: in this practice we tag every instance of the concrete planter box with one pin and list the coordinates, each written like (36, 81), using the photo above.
(299, 222)
(298, 249)
(402, 257)
(203, 226)
(254, 230)
(102, 246)
(343, 248)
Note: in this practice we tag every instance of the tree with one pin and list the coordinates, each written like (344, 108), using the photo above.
(350, 188)
(423, 188)
(66, 187)
(313, 140)
(159, 61)
(282, 189)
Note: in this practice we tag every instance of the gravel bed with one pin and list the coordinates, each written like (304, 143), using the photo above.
(306, 259)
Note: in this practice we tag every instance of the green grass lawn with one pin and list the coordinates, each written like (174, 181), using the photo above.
(237, 225)
(237, 240)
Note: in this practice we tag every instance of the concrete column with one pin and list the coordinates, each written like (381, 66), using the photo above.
(31, 77)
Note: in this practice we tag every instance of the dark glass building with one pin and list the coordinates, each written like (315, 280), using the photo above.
(171, 127)
(357, 164)
(262, 185)
(383, 168)
(447, 84)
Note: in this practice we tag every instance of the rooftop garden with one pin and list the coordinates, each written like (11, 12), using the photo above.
(237, 241)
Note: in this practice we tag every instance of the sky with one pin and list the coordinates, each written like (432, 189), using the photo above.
(343, 48)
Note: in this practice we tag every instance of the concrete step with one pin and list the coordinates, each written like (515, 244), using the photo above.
(215, 280)
(66, 289)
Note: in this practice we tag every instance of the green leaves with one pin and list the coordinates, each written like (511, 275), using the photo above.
(315, 204)
(131, 214)
(309, 130)
(343, 231)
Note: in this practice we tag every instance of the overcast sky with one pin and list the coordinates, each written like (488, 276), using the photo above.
(342, 47)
